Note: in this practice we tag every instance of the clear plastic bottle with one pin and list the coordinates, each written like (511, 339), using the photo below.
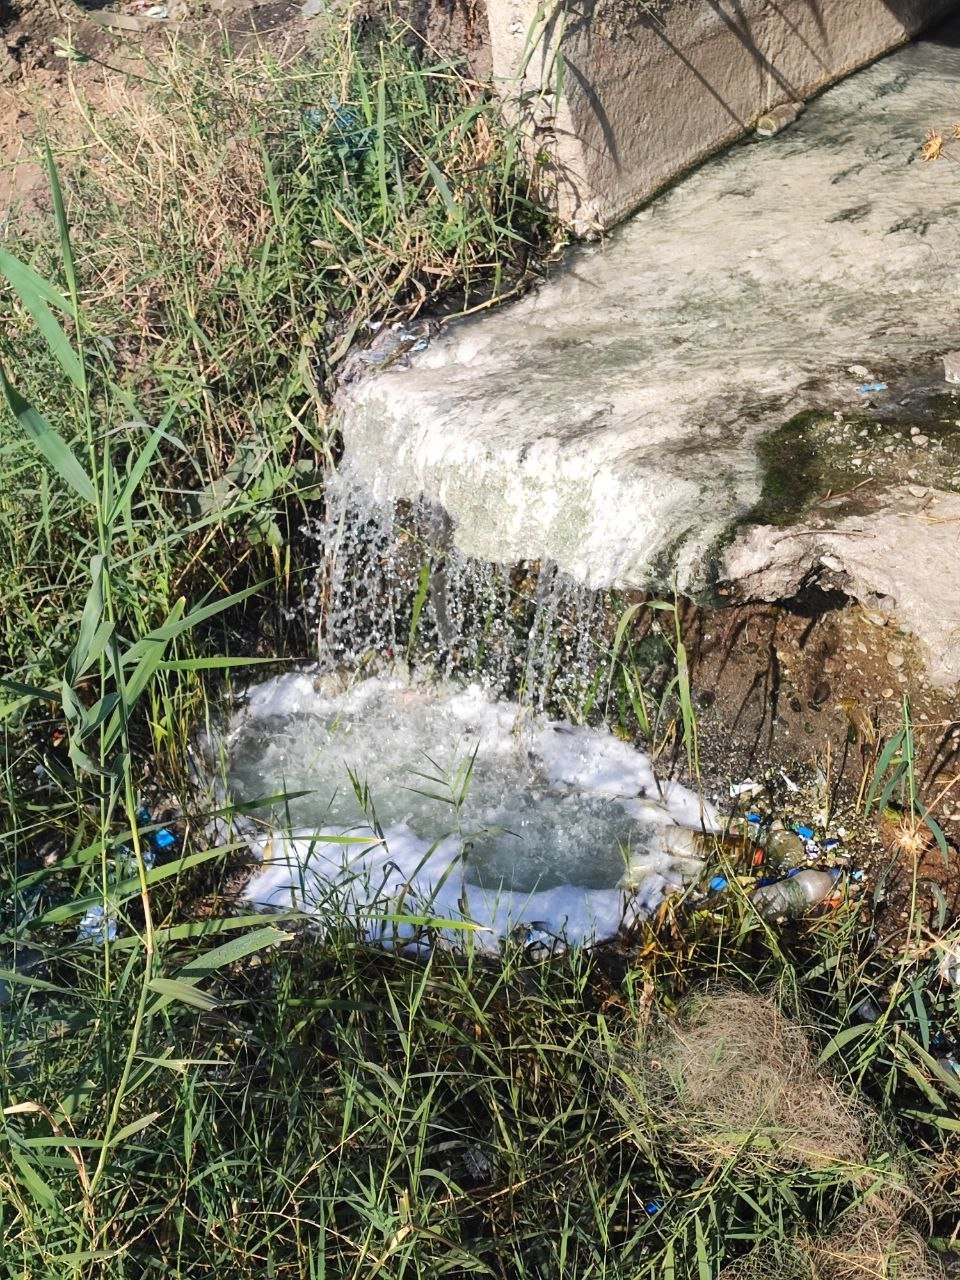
(791, 898)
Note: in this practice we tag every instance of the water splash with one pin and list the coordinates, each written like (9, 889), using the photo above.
(411, 798)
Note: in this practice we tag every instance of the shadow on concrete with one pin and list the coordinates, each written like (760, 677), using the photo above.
(584, 19)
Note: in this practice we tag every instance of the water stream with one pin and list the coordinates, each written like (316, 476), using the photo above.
(603, 432)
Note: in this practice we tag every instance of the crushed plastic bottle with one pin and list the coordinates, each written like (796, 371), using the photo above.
(790, 898)
(784, 849)
(98, 925)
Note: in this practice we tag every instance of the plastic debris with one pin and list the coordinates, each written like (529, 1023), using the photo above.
(951, 366)
(791, 897)
(651, 1207)
(866, 1011)
(779, 118)
(476, 1163)
(745, 788)
(342, 126)
(539, 944)
(397, 343)
(950, 965)
(157, 841)
(159, 12)
(98, 925)
(784, 848)
(718, 884)
(868, 388)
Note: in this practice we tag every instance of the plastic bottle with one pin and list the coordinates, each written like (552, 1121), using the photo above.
(790, 898)
(784, 849)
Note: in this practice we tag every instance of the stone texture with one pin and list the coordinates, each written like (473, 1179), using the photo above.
(649, 89)
(901, 561)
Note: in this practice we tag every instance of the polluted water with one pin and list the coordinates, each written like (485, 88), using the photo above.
(389, 801)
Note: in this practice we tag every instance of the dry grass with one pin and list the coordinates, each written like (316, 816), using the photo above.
(870, 1242)
(734, 1083)
(736, 1076)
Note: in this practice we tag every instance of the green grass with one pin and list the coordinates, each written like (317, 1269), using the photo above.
(218, 1094)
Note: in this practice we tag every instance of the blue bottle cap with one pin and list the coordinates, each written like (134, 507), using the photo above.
(163, 839)
(806, 832)
(718, 883)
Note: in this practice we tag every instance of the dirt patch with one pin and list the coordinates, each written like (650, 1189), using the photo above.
(49, 62)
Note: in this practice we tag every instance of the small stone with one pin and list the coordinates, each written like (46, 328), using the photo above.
(917, 490)
(820, 694)
(921, 440)
(886, 693)
(895, 660)
(872, 616)
(914, 431)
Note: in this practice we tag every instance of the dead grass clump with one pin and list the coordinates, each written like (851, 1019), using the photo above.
(735, 1076)
(866, 1243)
(734, 1083)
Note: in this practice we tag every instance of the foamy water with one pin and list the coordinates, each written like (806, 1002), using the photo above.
(423, 800)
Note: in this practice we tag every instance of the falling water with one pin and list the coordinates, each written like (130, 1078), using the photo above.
(391, 586)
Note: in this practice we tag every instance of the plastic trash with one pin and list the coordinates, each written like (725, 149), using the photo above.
(950, 965)
(396, 343)
(745, 788)
(97, 925)
(791, 898)
(867, 1010)
(784, 848)
(159, 841)
(538, 943)
(868, 388)
(778, 118)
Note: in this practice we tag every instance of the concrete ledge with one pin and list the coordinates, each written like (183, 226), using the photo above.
(648, 90)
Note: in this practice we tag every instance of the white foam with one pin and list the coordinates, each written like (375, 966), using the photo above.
(552, 819)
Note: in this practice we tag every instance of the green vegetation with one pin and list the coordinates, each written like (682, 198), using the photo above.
(217, 1094)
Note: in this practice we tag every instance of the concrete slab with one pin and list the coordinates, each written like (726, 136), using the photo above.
(610, 421)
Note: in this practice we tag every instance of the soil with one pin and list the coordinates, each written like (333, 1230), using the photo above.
(39, 81)
(813, 689)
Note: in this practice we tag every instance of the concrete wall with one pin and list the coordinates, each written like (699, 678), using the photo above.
(648, 89)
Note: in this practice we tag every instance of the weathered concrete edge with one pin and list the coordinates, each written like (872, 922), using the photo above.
(900, 563)
(643, 101)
